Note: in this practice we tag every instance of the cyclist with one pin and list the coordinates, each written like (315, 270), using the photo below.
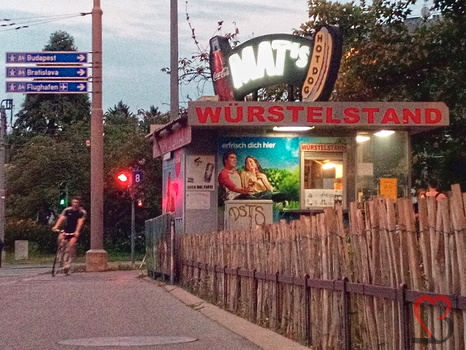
(73, 217)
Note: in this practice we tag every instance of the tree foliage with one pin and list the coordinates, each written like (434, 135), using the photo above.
(389, 57)
(126, 149)
(49, 145)
(35, 172)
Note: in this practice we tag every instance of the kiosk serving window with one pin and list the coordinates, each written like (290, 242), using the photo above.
(382, 164)
(322, 179)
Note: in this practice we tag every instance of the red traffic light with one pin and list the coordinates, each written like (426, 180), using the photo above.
(122, 177)
(140, 203)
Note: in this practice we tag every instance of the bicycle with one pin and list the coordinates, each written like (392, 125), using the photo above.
(62, 257)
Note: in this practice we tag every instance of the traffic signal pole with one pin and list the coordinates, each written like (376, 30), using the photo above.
(130, 182)
(96, 257)
(2, 180)
(133, 227)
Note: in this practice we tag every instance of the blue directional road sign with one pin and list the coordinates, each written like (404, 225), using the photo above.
(46, 57)
(47, 87)
(46, 72)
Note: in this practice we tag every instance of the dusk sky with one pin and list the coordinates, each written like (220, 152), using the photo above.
(136, 37)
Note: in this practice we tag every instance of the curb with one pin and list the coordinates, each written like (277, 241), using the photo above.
(264, 338)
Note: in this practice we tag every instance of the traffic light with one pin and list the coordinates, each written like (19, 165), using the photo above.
(123, 178)
(140, 203)
(62, 194)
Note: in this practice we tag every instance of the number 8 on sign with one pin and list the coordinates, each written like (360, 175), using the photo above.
(137, 177)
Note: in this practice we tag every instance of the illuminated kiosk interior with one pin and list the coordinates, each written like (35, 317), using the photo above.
(343, 152)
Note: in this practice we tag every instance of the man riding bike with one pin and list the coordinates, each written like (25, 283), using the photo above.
(74, 217)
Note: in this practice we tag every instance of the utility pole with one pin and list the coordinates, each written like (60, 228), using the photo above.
(174, 93)
(5, 104)
(96, 257)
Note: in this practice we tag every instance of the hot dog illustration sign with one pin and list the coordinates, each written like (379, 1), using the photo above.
(274, 59)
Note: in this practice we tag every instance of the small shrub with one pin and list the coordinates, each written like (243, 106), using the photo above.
(27, 229)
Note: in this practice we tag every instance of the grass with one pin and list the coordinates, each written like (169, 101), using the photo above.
(116, 261)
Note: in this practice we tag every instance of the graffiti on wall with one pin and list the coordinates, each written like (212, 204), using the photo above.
(244, 214)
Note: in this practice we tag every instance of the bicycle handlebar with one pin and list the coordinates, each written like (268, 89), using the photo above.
(64, 233)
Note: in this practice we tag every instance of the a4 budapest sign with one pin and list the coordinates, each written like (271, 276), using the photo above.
(50, 75)
(275, 59)
(55, 57)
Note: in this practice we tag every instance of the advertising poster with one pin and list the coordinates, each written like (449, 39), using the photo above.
(276, 168)
(200, 172)
(172, 187)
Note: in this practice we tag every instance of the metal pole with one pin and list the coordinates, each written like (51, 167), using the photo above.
(96, 258)
(174, 94)
(133, 229)
(2, 180)
(172, 249)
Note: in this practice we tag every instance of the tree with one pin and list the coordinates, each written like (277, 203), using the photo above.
(152, 117)
(60, 41)
(126, 149)
(34, 173)
(386, 60)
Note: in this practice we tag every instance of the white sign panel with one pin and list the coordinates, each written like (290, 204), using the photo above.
(197, 200)
(322, 198)
(200, 172)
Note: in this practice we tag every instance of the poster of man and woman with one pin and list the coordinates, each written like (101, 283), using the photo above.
(261, 168)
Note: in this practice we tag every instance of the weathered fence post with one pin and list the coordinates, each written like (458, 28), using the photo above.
(346, 299)
(225, 287)
(254, 288)
(405, 317)
(214, 283)
(307, 311)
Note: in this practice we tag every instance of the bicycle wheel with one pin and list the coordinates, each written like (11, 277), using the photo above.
(57, 262)
(66, 257)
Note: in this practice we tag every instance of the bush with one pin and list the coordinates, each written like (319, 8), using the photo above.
(27, 229)
(44, 240)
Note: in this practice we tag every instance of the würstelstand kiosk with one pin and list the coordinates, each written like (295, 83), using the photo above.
(351, 151)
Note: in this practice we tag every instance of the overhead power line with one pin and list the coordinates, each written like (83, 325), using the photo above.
(7, 24)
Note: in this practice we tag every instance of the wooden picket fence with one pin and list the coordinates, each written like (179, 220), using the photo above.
(344, 280)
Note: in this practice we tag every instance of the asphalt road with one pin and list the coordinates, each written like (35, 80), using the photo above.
(116, 310)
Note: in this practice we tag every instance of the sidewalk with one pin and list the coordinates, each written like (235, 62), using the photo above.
(263, 338)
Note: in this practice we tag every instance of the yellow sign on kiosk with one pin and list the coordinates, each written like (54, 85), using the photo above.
(389, 187)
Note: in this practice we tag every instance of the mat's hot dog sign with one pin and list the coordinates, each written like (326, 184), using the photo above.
(311, 65)
(275, 59)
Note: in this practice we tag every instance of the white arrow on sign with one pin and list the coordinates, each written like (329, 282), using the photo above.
(81, 72)
(81, 87)
(81, 57)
